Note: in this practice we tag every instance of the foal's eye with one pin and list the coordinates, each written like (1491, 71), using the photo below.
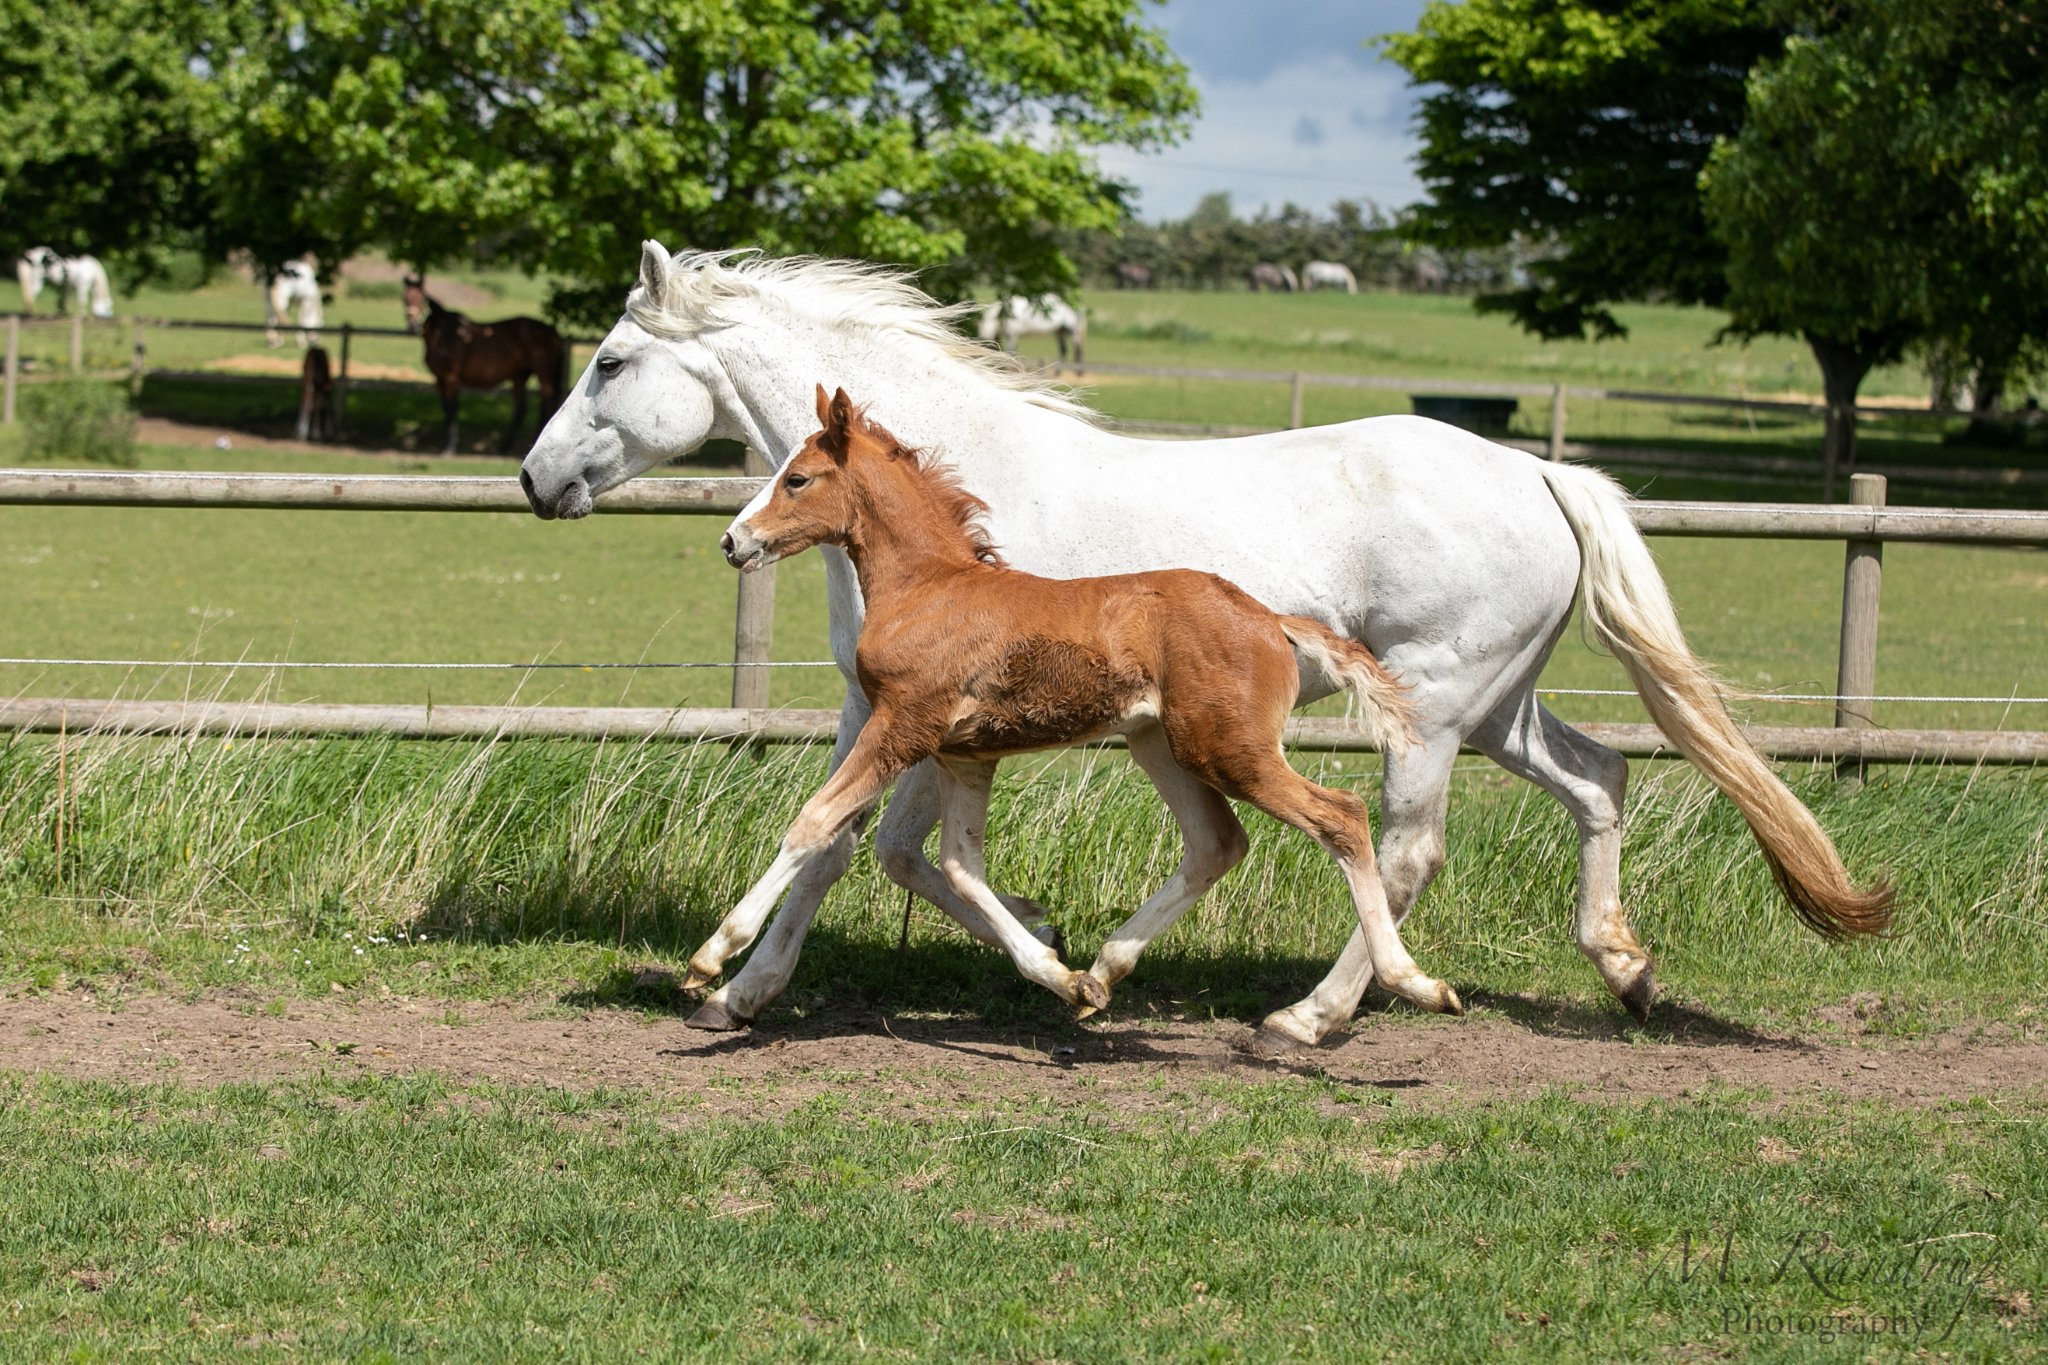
(610, 365)
(796, 481)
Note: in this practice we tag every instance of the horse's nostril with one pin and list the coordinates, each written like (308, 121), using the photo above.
(725, 545)
(526, 483)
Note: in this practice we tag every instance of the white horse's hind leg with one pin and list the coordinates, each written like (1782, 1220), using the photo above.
(1589, 778)
(1215, 843)
(1413, 801)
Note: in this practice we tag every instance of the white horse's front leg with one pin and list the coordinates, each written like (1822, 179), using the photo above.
(899, 846)
(963, 794)
(825, 818)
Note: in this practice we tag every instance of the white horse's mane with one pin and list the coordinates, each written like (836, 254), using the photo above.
(851, 294)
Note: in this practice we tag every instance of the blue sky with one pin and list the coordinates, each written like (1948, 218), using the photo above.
(1295, 107)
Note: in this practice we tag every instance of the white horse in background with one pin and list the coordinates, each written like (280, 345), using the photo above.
(295, 288)
(74, 278)
(1047, 315)
(1457, 561)
(1328, 275)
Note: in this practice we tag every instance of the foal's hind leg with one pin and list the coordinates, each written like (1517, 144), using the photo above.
(1589, 779)
(1215, 843)
(1337, 820)
(1413, 799)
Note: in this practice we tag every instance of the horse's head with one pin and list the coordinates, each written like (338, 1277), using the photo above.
(817, 496)
(643, 400)
(416, 302)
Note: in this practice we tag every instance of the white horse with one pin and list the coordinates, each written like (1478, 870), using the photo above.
(74, 278)
(295, 288)
(1328, 275)
(1047, 315)
(1456, 560)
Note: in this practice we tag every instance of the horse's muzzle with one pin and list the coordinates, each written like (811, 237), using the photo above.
(570, 504)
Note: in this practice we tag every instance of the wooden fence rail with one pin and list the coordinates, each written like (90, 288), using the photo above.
(1865, 526)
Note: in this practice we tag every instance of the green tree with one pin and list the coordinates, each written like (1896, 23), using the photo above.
(951, 135)
(1581, 126)
(1890, 186)
(107, 111)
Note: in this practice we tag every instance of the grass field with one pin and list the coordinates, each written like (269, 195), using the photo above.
(399, 1220)
(955, 1209)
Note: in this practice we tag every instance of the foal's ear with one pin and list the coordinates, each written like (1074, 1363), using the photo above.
(824, 401)
(655, 264)
(840, 418)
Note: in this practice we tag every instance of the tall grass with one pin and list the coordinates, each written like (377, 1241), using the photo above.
(646, 845)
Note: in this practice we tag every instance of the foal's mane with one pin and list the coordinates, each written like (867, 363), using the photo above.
(941, 485)
(852, 294)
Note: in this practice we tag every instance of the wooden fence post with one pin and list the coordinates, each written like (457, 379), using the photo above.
(1557, 421)
(753, 621)
(13, 369)
(341, 379)
(1862, 574)
(77, 343)
(1294, 402)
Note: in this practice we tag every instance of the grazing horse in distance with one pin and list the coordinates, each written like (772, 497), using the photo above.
(294, 289)
(1047, 315)
(1131, 275)
(464, 353)
(1328, 275)
(74, 278)
(968, 661)
(1265, 278)
(316, 396)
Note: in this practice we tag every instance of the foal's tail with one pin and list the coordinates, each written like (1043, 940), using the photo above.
(1630, 611)
(1383, 707)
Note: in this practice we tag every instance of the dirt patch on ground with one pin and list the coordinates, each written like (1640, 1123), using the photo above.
(288, 364)
(929, 1068)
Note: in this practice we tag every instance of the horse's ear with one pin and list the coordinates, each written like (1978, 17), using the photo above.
(839, 420)
(655, 264)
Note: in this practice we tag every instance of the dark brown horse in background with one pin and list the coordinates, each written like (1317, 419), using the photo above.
(464, 353)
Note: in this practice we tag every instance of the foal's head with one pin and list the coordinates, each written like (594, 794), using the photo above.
(852, 480)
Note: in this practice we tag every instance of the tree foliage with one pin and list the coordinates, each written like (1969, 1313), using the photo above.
(952, 135)
(107, 114)
(1890, 185)
(1579, 128)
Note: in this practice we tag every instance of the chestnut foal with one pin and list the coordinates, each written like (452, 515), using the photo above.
(970, 661)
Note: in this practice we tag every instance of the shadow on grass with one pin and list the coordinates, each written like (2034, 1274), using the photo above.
(957, 994)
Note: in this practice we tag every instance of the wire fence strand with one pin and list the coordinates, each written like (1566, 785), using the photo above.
(266, 665)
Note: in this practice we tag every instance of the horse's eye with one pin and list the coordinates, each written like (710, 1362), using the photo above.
(796, 481)
(609, 365)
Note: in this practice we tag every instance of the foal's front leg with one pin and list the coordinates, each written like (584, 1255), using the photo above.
(963, 798)
(868, 770)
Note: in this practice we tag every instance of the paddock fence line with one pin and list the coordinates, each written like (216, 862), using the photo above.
(1855, 739)
(1555, 445)
(138, 367)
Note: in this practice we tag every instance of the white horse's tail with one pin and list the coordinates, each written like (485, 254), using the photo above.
(101, 293)
(28, 272)
(1381, 702)
(1629, 610)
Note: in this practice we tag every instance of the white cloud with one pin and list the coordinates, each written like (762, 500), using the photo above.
(1308, 131)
